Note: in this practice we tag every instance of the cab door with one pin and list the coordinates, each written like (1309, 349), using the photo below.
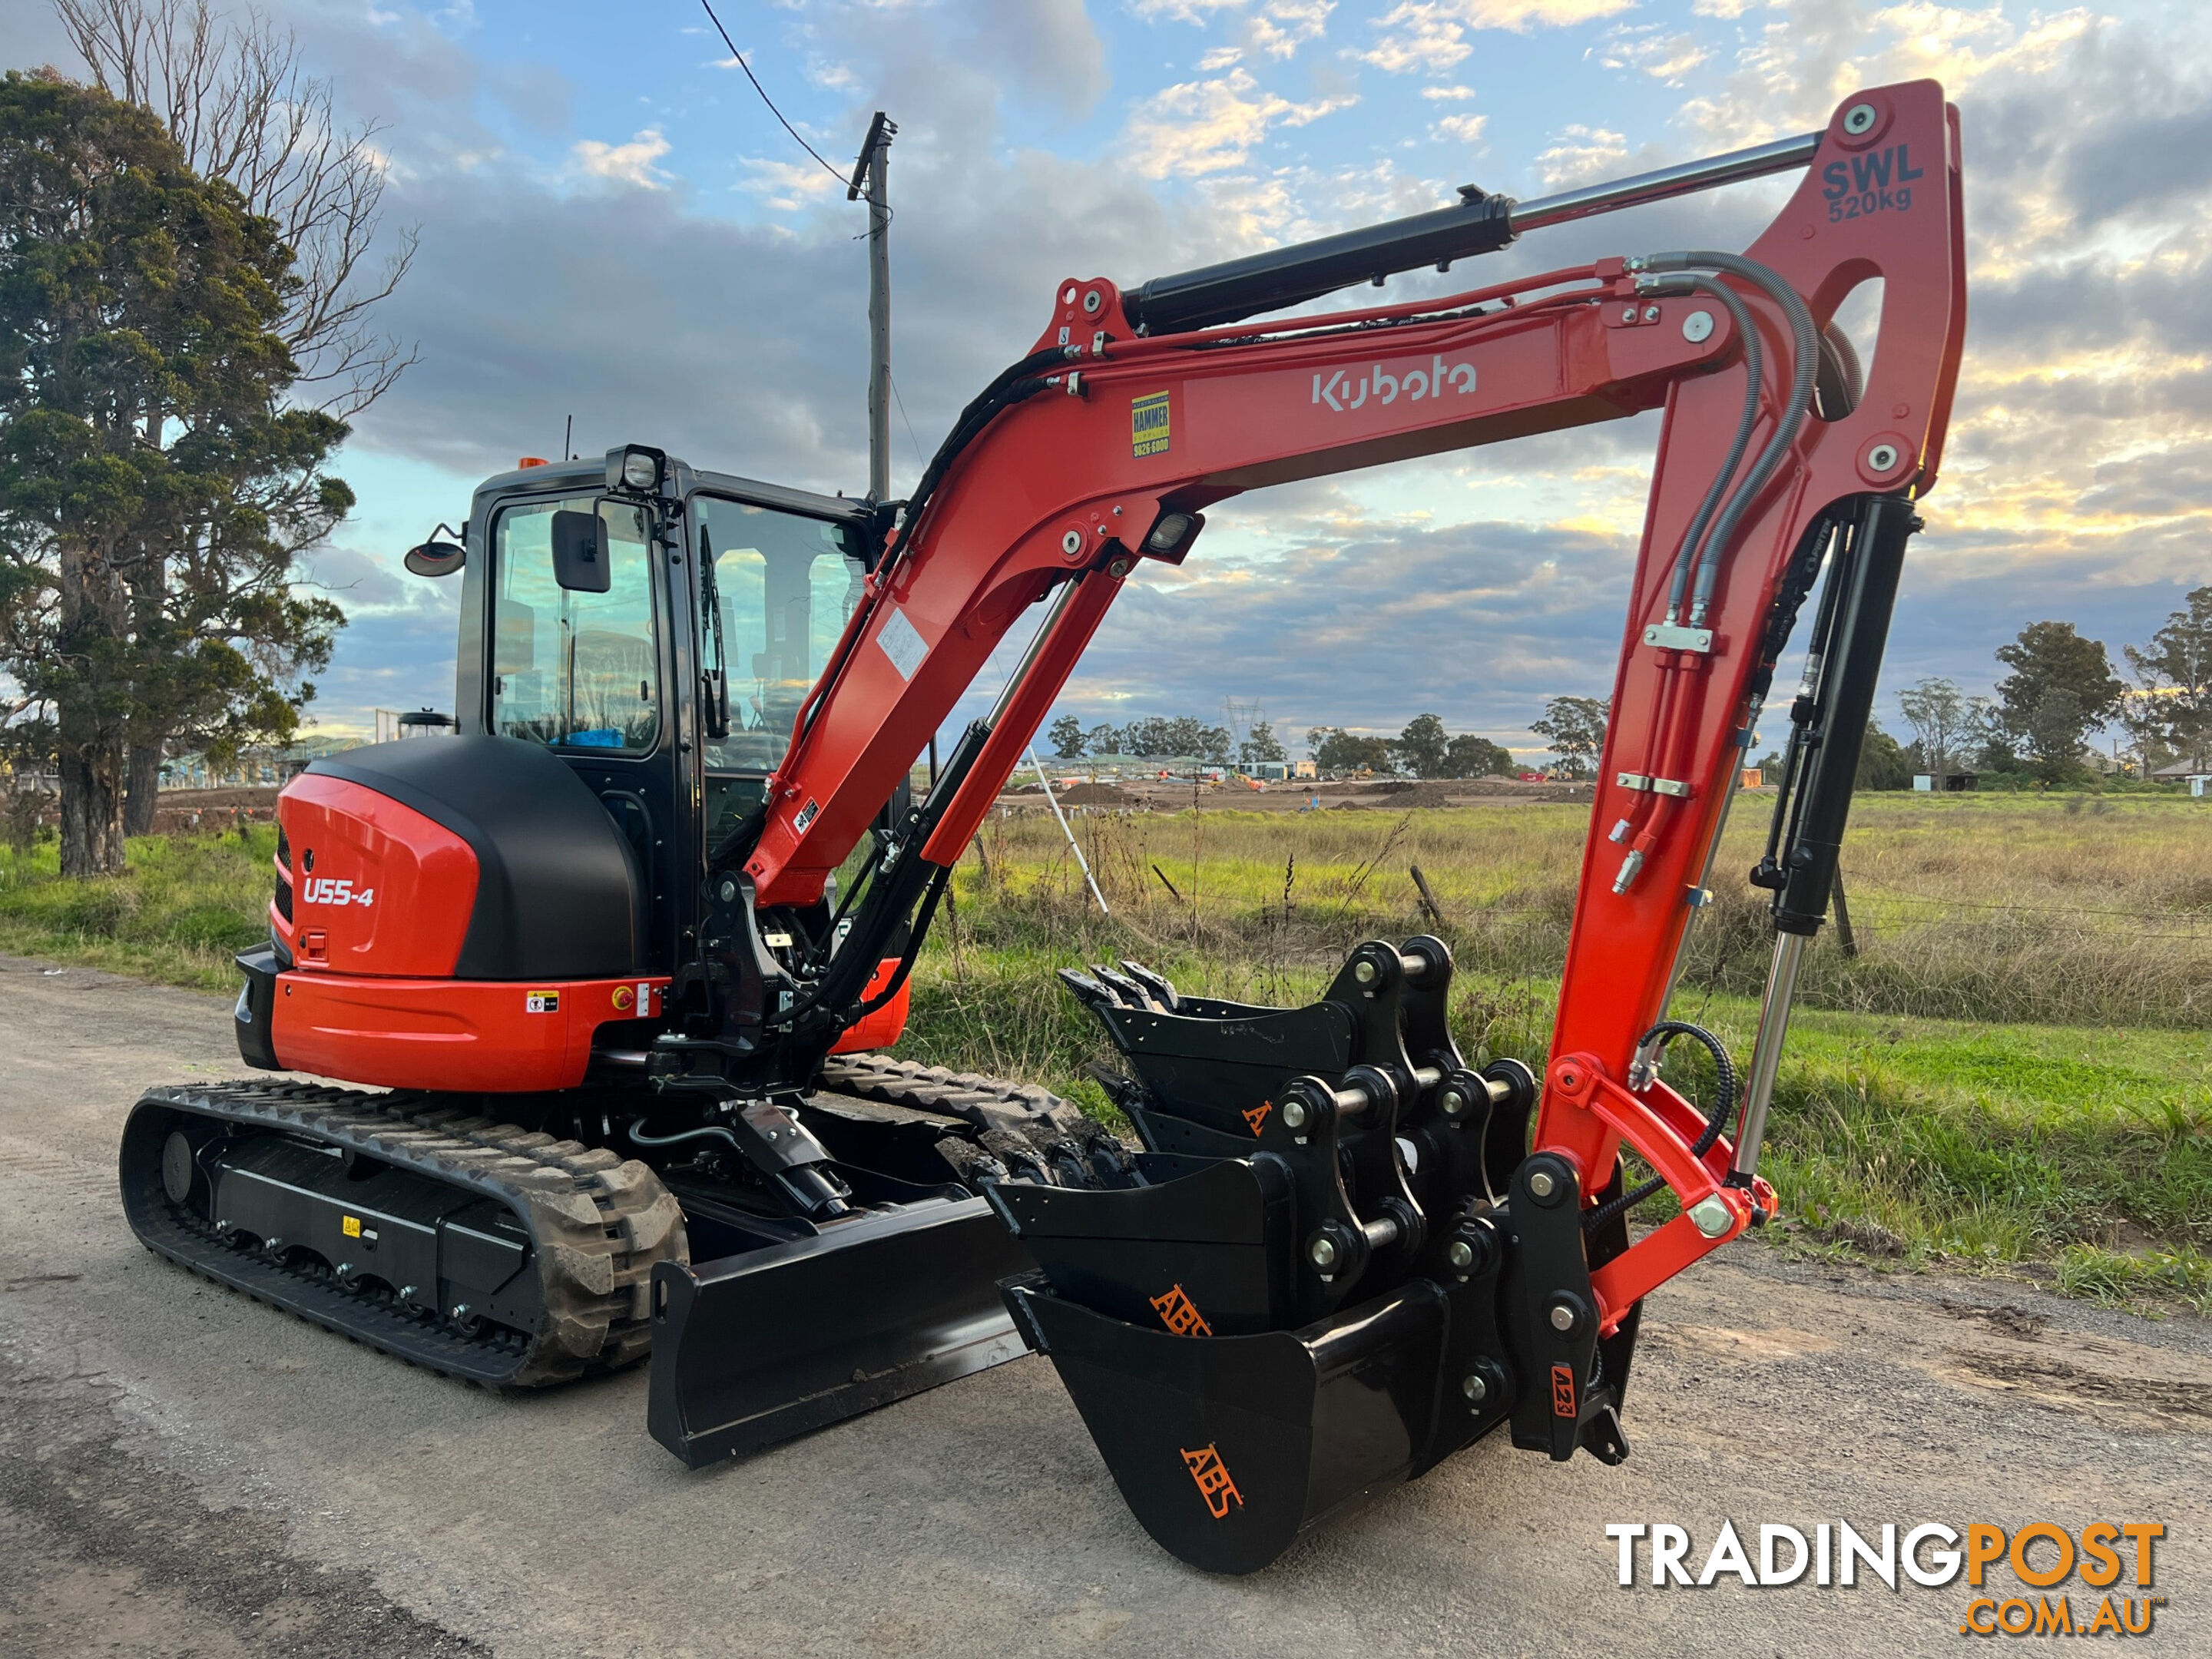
(586, 672)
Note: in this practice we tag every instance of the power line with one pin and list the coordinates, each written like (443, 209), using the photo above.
(740, 58)
(901, 402)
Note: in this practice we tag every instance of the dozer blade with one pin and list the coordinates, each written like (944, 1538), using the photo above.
(754, 1349)
(1227, 1448)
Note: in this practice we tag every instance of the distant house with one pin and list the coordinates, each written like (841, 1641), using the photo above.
(1950, 783)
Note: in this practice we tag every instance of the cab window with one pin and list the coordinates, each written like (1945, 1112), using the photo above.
(575, 671)
(786, 584)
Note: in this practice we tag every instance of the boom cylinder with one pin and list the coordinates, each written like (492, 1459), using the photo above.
(1478, 223)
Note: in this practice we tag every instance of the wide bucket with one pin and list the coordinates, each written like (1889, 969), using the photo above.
(1226, 1448)
(757, 1348)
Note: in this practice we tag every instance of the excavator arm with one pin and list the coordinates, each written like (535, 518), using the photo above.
(1785, 452)
(1102, 447)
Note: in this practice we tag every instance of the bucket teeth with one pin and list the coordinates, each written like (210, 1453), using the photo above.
(1132, 994)
(1162, 988)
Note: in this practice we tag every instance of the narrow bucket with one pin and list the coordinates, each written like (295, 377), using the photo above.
(1227, 1448)
(1205, 1254)
(757, 1348)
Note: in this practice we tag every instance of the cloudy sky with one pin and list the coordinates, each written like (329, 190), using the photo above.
(613, 227)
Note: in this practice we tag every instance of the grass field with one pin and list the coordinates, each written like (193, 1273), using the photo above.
(2011, 1074)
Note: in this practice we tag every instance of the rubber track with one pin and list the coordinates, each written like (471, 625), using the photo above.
(984, 1103)
(598, 1221)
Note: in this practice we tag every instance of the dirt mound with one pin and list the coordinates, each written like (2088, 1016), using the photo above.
(1096, 794)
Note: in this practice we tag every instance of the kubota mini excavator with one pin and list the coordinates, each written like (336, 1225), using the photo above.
(593, 954)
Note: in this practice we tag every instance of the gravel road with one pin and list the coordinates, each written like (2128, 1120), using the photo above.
(183, 1472)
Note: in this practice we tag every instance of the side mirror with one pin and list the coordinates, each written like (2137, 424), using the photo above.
(580, 553)
(435, 557)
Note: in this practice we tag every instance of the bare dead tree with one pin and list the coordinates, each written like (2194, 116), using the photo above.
(232, 95)
(231, 92)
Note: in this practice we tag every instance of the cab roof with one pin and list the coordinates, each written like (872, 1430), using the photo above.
(591, 473)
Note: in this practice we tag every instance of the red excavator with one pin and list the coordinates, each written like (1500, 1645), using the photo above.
(594, 953)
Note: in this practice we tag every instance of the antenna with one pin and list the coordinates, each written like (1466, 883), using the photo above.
(568, 432)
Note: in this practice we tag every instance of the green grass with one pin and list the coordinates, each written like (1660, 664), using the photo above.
(1963, 1094)
(184, 906)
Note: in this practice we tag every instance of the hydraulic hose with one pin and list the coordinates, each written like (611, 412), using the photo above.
(1724, 1092)
(1754, 373)
(711, 1132)
(1805, 356)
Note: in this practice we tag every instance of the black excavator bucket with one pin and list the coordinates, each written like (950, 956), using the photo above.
(1227, 1448)
(1378, 1276)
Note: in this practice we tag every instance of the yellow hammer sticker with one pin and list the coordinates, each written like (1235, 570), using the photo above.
(1148, 424)
(350, 1226)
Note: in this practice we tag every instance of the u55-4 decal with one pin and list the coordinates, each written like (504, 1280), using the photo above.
(322, 889)
(1879, 181)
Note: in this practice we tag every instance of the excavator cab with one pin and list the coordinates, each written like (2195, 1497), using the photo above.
(513, 929)
(658, 640)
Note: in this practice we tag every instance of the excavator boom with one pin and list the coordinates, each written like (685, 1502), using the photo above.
(1785, 452)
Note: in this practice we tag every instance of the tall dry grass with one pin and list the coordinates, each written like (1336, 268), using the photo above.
(2017, 909)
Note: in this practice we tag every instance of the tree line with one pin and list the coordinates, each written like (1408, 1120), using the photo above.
(187, 277)
(2036, 723)
(1573, 726)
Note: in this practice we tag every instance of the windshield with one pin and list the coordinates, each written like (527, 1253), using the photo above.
(576, 670)
(786, 584)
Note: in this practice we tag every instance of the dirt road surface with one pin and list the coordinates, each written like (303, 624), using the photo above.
(183, 1472)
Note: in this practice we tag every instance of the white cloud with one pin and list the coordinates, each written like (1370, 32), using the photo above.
(1665, 57)
(1448, 95)
(1468, 129)
(1581, 153)
(1200, 127)
(623, 164)
(1286, 25)
(786, 186)
(1432, 35)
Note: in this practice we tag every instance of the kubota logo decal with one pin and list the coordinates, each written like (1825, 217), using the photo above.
(1562, 1391)
(322, 889)
(1179, 1314)
(1214, 1482)
(1341, 392)
(1258, 1116)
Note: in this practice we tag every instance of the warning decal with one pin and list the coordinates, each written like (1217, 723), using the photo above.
(542, 1002)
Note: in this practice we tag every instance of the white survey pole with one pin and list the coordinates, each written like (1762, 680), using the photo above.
(1053, 802)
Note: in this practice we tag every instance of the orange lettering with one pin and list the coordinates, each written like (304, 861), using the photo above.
(2142, 1531)
(1258, 1116)
(1562, 1391)
(1180, 1315)
(1984, 1544)
(2044, 1578)
(1214, 1485)
(2100, 1566)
